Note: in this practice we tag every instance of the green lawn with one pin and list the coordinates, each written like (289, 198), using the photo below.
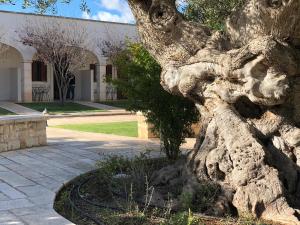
(56, 108)
(4, 112)
(117, 103)
(129, 129)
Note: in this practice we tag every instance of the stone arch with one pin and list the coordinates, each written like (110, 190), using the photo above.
(91, 57)
(10, 72)
(87, 77)
(10, 56)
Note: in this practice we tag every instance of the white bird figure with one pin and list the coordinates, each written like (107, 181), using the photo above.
(45, 112)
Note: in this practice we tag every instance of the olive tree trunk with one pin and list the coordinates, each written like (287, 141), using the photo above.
(246, 84)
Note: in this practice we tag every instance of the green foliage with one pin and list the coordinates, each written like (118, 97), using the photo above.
(182, 218)
(46, 6)
(203, 198)
(128, 129)
(172, 116)
(113, 165)
(61, 203)
(106, 186)
(4, 112)
(186, 200)
(139, 170)
(212, 13)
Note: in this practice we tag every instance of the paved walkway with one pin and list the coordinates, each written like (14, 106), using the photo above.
(18, 109)
(30, 178)
(99, 106)
(90, 114)
(110, 111)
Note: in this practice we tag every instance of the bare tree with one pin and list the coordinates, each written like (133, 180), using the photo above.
(61, 46)
(110, 49)
(246, 84)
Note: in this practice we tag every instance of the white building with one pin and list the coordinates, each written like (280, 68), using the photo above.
(22, 79)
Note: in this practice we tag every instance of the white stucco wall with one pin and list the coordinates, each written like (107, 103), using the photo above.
(8, 84)
(10, 58)
(9, 66)
(11, 23)
(15, 67)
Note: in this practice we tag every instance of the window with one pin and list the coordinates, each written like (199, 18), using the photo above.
(109, 71)
(39, 71)
(94, 68)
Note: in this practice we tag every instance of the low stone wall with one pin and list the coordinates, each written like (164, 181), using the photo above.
(18, 132)
(145, 129)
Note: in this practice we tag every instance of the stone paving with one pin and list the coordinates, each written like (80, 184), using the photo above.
(30, 178)
(109, 110)
(98, 105)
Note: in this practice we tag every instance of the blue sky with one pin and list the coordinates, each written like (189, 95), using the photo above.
(106, 10)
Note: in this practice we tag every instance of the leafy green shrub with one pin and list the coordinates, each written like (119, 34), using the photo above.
(136, 172)
(139, 80)
(113, 165)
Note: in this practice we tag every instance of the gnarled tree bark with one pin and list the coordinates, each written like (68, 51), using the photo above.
(246, 84)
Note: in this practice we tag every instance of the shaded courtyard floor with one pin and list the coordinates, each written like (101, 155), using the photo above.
(30, 178)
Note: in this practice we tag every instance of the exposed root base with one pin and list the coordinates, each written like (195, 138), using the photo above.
(256, 168)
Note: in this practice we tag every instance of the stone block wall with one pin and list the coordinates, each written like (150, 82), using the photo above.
(18, 132)
(145, 129)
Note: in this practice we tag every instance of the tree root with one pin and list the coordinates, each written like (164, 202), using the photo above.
(257, 173)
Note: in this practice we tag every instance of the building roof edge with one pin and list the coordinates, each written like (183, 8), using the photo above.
(65, 17)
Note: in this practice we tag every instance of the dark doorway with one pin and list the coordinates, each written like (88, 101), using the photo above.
(71, 90)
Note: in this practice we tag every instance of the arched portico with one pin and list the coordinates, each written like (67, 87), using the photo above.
(104, 68)
(11, 61)
(17, 77)
(87, 78)
(102, 63)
